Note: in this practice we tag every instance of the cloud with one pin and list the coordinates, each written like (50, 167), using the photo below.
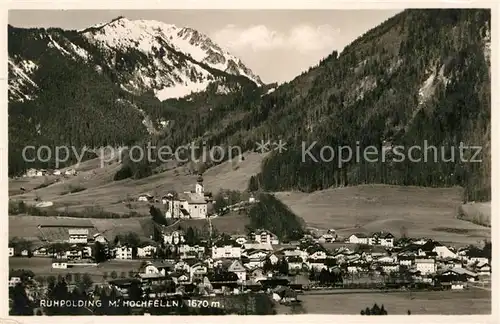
(302, 38)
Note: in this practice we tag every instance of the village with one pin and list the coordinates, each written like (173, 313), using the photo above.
(230, 265)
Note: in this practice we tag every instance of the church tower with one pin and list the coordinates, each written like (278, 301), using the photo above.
(199, 186)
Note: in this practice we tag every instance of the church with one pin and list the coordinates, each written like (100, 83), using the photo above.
(189, 205)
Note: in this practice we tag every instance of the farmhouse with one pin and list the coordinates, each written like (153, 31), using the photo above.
(425, 266)
(123, 253)
(146, 251)
(381, 238)
(264, 237)
(358, 238)
(78, 235)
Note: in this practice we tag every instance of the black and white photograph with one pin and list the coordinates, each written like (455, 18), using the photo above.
(249, 162)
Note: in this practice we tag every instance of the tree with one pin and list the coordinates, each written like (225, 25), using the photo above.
(190, 236)
(105, 275)
(21, 305)
(123, 275)
(283, 267)
(268, 266)
(114, 275)
(86, 282)
(131, 274)
(382, 310)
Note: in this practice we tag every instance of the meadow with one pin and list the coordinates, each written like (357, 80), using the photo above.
(43, 267)
(410, 211)
(468, 302)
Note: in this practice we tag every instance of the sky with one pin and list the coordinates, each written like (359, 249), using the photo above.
(277, 45)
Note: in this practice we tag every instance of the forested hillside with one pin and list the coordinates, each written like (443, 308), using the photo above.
(102, 86)
(423, 75)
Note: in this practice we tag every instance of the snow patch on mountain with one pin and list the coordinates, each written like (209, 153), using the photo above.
(20, 83)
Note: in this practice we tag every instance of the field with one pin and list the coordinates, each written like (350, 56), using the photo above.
(468, 302)
(414, 211)
(113, 196)
(477, 213)
(43, 267)
(26, 226)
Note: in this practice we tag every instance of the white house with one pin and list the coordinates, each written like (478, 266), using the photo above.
(359, 238)
(146, 251)
(11, 251)
(444, 252)
(175, 238)
(78, 235)
(425, 266)
(390, 267)
(59, 264)
(381, 238)
(198, 270)
(264, 237)
(483, 269)
(13, 281)
(123, 253)
(226, 250)
(56, 172)
(239, 269)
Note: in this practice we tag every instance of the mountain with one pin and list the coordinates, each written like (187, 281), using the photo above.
(140, 55)
(107, 84)
(422, 76)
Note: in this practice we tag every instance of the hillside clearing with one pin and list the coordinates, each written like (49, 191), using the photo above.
(101, 191)
(417, 211)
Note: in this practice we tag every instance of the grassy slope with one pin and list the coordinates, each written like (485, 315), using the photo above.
(469, 302)
(428, 212)
(110, 195)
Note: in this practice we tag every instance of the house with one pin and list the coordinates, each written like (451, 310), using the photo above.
(239, 269)
(182, 266)
(425, 266)
(13, 281)
(145, 197)
(70, 172)
(389, 267)
(162, 268)
(257, 273)
(146, 251)
(59, 264)
(226, 249)
(78, 235)
(483, 269)
(74, 253)
(469, 275)
(56, 172)
(406, 261)
(381, 238)
(31, 173)
(123, 253)
(25, 252)
(285, 295)
(240, 240)
(258, 246)
(11, 251)
(358, 238)
(443, 252)
(326, 238)
(273, 258)
(40, 252)
(255, 258)
(174, 237)
(316, 264)
(264, 237)
(294, 262)
(198, 270)
(98, 237)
